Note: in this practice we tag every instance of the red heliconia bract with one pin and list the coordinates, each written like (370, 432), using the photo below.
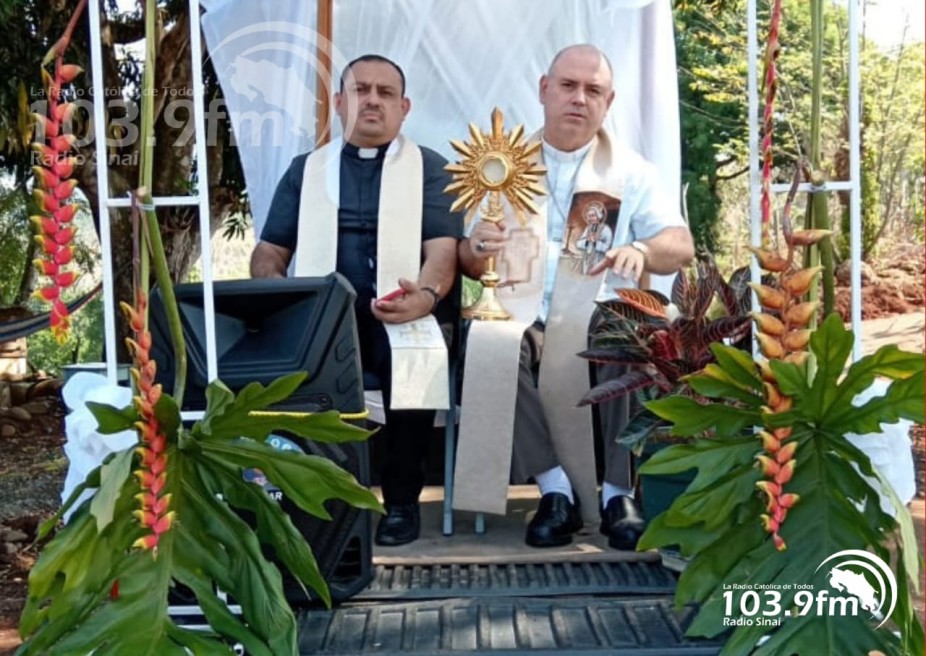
(53, 187)
(153, 514)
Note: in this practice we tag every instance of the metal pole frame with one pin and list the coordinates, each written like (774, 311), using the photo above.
(853, 185)
(107, 203)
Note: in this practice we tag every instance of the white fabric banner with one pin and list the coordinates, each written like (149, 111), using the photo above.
(461, 60)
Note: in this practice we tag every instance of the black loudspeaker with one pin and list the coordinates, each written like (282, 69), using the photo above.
(264, 329)
(342, 545)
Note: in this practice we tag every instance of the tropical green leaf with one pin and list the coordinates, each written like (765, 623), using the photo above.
(738, 365)
(713, 502)
(111, 419)
(790, 378)
(703, 575)
(716, 383)
(307, 480)
(167, 412)
(837, 509)
(92, 481)
(689, 539)
(711, 457)
(112, 478)
(72, 606)
(692, 418)
(906, 532)
(227, 420)
(831, 343)
(903, 400)
(274, 527)
(888, 361)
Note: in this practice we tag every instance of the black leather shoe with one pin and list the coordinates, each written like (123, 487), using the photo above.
(555, 521)
(622, 521)
(401, 525)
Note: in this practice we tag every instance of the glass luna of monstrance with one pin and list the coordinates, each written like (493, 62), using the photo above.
(495, 165)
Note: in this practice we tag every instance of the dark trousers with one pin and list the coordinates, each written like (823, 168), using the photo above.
(407, 433)
(533, 445)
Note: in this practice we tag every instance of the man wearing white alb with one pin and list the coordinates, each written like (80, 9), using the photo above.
(555, 268)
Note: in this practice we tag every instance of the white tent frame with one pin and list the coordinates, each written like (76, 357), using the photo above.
(852, 185)
(107, 203)
(201, 197)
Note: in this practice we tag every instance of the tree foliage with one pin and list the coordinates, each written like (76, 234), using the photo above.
(37, 24)
(711, 52)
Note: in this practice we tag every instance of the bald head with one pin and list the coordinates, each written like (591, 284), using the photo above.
(586, 49)
(575, 93)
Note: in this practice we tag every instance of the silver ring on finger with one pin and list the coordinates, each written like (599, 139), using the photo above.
(481, 246)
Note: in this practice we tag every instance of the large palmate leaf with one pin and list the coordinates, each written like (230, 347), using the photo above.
(716, 521)
(92, 592)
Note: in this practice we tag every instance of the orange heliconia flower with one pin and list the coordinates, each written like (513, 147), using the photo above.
(53, 187)
(153, 514)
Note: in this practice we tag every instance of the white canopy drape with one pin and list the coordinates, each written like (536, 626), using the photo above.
(461, 59)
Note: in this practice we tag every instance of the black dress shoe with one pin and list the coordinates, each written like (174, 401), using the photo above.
(622, 521)
(401, 525)
(555, 521)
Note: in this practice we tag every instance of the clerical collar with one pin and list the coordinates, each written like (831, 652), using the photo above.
(379, 152)
(563, 156)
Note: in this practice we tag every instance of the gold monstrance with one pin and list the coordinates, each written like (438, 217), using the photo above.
(494, 164)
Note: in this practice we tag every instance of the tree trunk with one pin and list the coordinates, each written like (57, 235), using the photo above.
(174, 166)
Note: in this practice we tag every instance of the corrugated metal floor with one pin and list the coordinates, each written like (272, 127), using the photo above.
(491, 594)
(514, 608)
(517, 579)
(502, 625)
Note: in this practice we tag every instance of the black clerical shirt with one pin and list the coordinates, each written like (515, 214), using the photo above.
(358, 211)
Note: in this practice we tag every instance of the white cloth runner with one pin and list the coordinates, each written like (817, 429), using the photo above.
(419, 354)
(493, 348)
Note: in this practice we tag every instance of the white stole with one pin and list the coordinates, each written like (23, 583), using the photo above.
(419, 354)
(493, 350)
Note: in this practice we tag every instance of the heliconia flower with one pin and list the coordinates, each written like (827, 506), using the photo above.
(46, 267)
(47, 293)
(64, 168)
(788, 500)
(808, 237)
(786, 452)
(154, 514)
(785, 472)
(64, 255)
(53, 187)
(67, 72)
(149, 541)
(769, 466)
(65, 279)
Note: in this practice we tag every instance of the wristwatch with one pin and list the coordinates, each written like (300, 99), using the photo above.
(432, 292)
(640, 246)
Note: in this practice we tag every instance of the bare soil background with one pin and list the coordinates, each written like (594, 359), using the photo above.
(33, 465)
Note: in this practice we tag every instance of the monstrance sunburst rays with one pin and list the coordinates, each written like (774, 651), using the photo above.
(500, 163)
(493, 165)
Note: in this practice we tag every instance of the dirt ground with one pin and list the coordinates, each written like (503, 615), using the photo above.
(33, 466)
